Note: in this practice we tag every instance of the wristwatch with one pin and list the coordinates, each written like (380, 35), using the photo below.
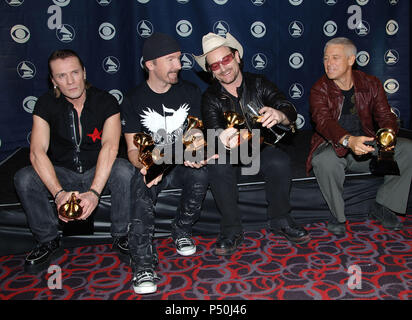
(345, 141)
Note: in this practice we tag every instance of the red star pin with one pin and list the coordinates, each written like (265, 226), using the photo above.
(96, 135)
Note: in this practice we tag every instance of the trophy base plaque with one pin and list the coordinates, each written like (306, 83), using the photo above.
(382, 167)
(156, 170)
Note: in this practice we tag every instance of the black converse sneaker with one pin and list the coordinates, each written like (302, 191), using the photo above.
(185, 246)
(144, 281)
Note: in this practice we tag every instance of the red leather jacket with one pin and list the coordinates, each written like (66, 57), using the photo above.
(326, 101)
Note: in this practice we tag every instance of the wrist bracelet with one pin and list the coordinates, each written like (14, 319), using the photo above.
(57, 193)
(95, 193)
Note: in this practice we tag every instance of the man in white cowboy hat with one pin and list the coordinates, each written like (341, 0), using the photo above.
(247, 94)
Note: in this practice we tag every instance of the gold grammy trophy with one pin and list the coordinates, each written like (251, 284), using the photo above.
(384, 163)
(71, 209)
(235, 120)
(194, 142)
(148, 155)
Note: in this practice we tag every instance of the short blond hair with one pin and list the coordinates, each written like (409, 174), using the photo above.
(350, 47)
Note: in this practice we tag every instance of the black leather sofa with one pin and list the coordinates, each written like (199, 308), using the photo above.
(307, 203)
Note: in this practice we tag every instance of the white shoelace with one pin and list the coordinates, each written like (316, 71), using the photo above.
(184, 241)
(145, 276)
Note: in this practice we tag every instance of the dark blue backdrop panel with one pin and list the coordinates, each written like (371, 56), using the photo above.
(282, 39)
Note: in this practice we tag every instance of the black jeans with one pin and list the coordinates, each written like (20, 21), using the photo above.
(275, 167)
(42, 215)
(194, 184)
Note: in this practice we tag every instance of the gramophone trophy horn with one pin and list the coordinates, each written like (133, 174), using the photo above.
(384, 163)
(148, 156)
(235, 120)
(71, 209)
(194, 142)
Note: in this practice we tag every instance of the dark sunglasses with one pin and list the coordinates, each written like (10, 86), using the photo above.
(224, 61)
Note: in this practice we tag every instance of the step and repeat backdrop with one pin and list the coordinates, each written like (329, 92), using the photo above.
(282, 39)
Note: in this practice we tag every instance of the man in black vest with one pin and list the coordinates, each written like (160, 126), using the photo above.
(73, 149)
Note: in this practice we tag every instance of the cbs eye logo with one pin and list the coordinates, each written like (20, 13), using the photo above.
(300, 121)
(362, 58)
(258, 29)
(220, 2)
(14, 3)
(20, 33)
(29, 103)
(392, 27)
(107, 31)
(117, 94)
(184, 28)
(104, 2)
(330, 28)
(258, 2)
(296, 60)
(61, 3)
(391, 86)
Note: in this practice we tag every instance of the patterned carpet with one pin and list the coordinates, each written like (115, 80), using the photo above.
(266, 267)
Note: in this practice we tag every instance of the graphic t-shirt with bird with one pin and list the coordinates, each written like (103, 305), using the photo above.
(163, 116)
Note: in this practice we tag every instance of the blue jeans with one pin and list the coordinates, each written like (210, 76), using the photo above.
(194, 184)
(42, 215)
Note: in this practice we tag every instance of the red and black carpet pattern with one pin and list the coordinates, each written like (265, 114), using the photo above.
(369, 262)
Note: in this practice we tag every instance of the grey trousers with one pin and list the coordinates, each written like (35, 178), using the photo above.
(330, 174)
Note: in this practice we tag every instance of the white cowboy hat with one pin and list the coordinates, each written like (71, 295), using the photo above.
(213, 41)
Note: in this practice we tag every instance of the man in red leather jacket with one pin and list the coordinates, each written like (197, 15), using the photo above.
(346, 105)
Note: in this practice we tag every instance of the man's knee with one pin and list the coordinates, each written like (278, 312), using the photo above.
(122, 171)
(200, 175)
(405, 148)
(24, 178)
(325, 161)
(274, 159)
(219, 170)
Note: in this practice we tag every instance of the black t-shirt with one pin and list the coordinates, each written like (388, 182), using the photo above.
(349, 101)
(349, 118)
(67, 147)
(144, 110)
